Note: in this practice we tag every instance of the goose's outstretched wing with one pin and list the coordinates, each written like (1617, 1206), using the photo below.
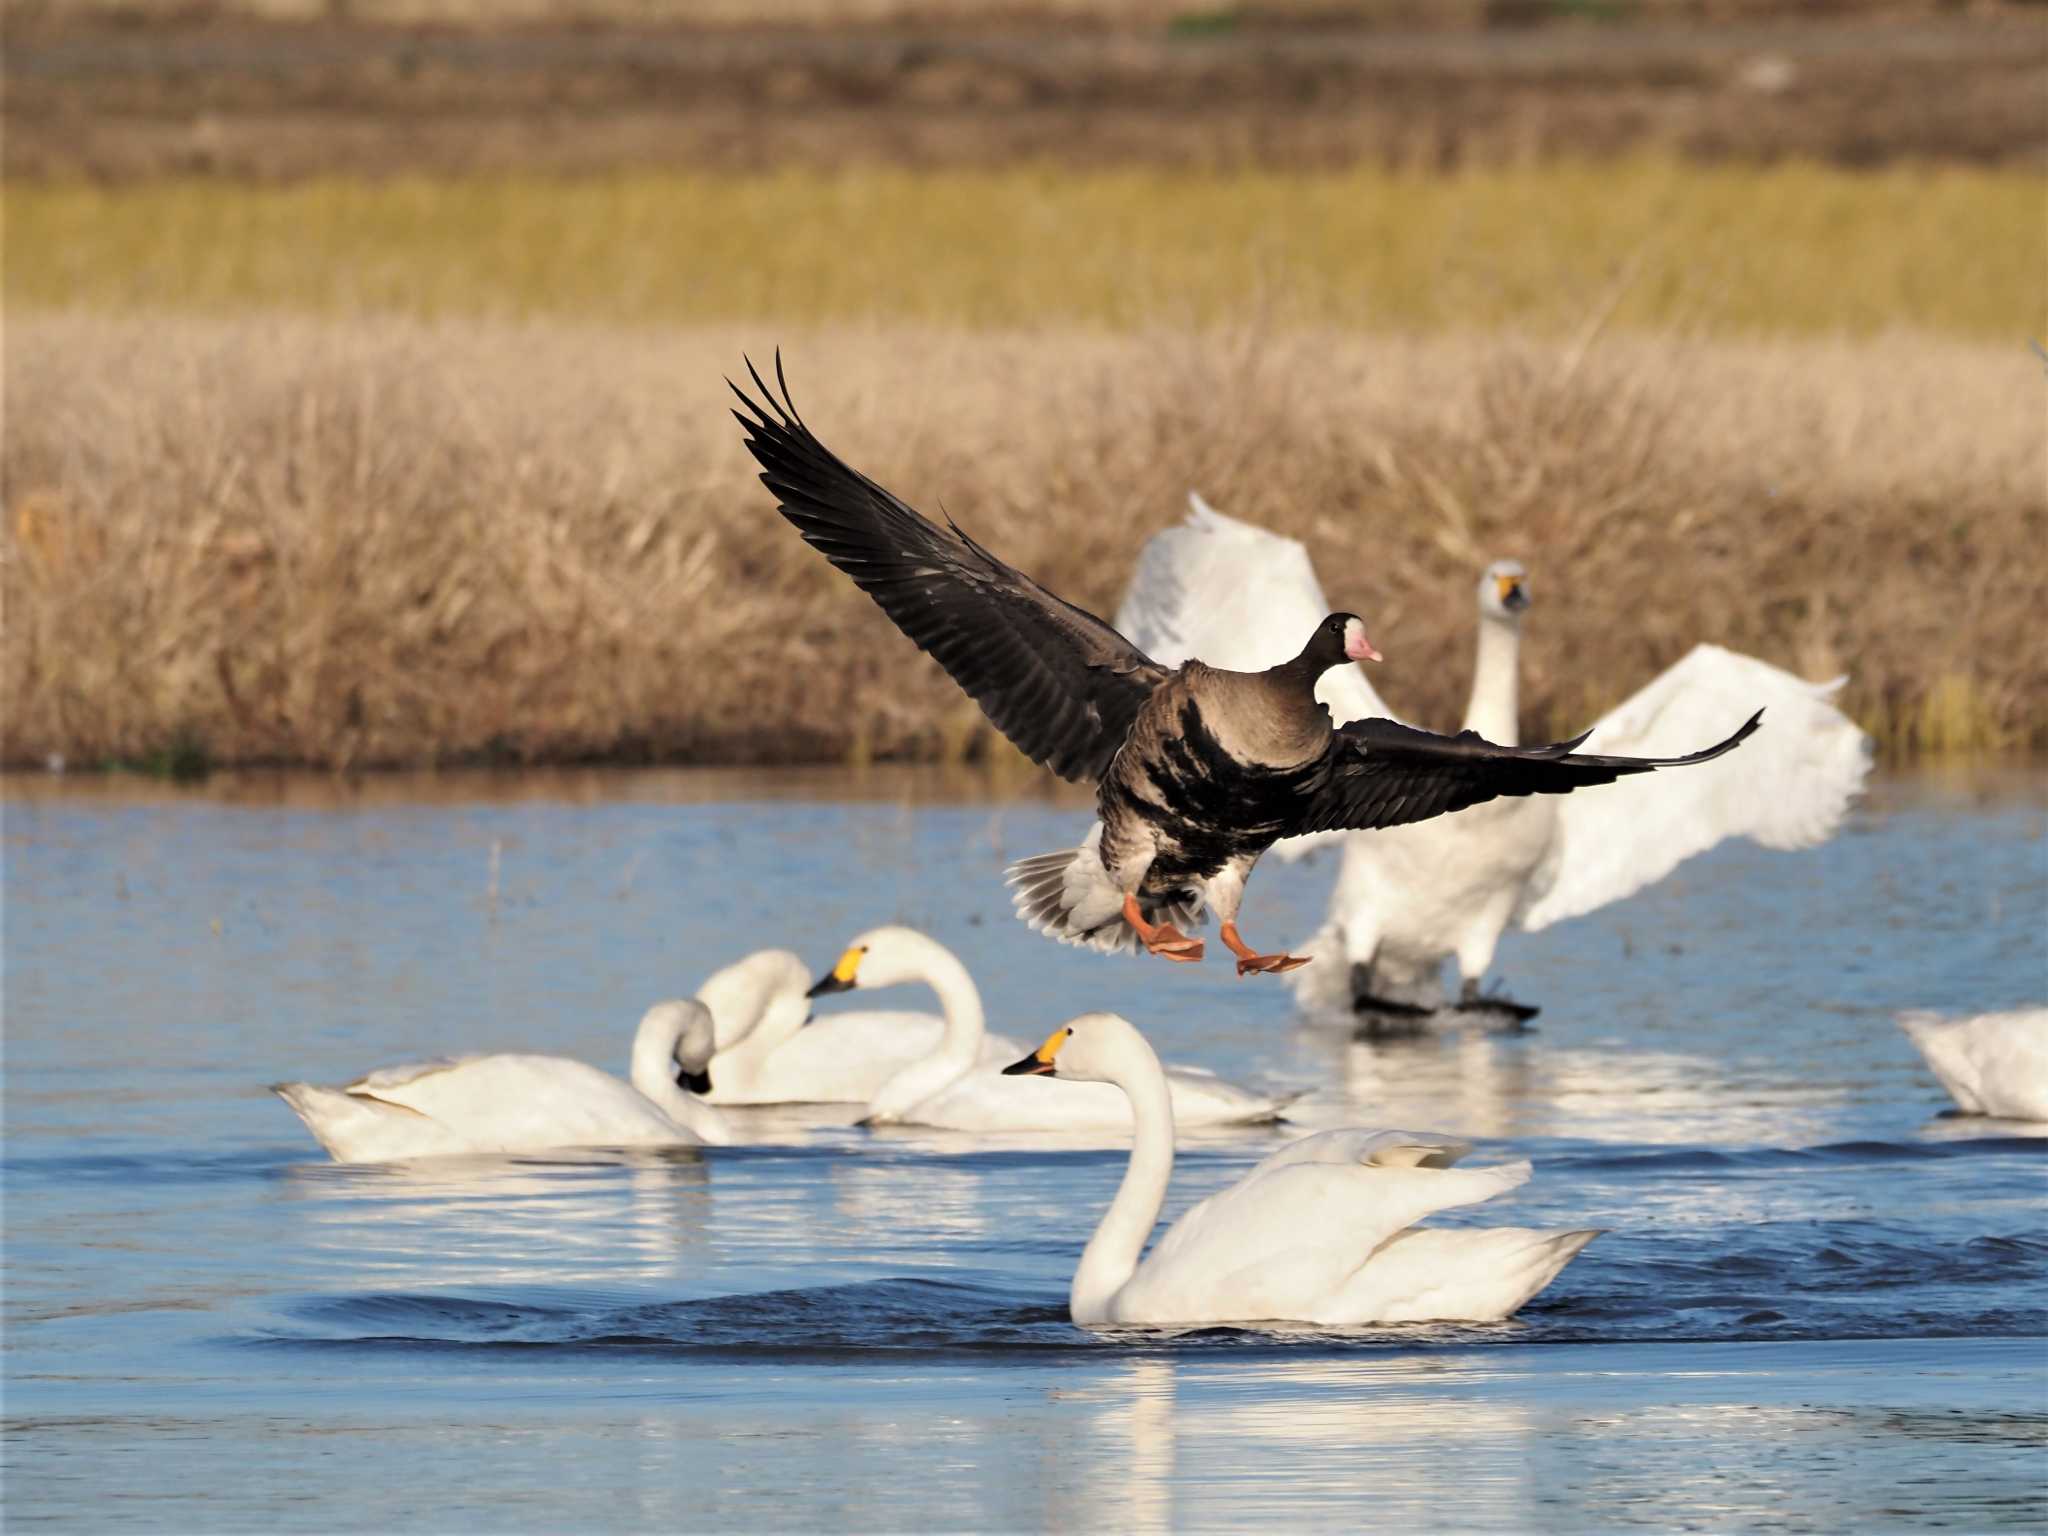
(1238, 596)
(1055, 679)
(1381, 774)
(1812, 764)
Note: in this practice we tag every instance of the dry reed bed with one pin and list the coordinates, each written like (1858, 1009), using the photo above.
(385, 542)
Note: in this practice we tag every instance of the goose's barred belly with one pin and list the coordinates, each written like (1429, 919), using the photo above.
(1199, 806)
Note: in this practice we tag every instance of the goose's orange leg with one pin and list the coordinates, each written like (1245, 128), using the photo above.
(1251, 962)
(1161, 938)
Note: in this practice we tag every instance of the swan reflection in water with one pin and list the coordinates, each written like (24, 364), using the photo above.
(1517, 1085)
(1349, 1430)
(509, 1220)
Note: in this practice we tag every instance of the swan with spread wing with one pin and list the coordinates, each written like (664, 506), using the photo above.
(1407, 899)
(1198, 769)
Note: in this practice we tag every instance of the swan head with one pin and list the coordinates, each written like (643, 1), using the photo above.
(1338, 639)
(681, 1037)
(1093, 1048)
(1504, 591)
(882, 957)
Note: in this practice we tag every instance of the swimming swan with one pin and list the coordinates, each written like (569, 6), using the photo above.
(521, 1103)
(772, 1050)
(954, 1089)
(1198, 769)
(1992, 1064)
(1322, 1231)
(1410, 896)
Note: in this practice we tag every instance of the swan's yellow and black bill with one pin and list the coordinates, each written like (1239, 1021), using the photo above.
(1512, 597)
(841, 977)
(1040, 1062)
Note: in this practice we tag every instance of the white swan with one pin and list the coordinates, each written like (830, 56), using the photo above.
(1322, 1231)
(954, 1089)
(1410, 896)
(771, 1050)
(521, 1103)
(1992, 1064)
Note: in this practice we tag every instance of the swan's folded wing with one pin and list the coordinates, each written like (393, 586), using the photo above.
(1788, 789)
(1278, 1244)
(1379, 1149)
(513, 1100)
(493, 1086)
(1991, 1064)
(1055, 679)
(1381, 774)
(380, 1082)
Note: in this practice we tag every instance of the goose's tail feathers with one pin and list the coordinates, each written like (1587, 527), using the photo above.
(1070, 896)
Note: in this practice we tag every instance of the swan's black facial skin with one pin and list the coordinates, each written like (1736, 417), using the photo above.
(842, 977)
(1040, 1062)
(693, 1082)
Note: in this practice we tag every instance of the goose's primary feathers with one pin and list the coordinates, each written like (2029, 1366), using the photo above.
(1992, 1064)
(773, 1050)
(1199, 769)
(1322, 1231)
(514, 1102)
(956, 1086)
(1410, 897)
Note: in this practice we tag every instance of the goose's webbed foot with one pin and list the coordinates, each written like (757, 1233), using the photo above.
(1162, 939)
(1251, 963)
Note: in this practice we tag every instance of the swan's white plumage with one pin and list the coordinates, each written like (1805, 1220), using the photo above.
(1322, 1231)
(956, 1086)
(1792, 788)
(1410, 896)
(772, 1050)
(1992, 1063)
(518, 1102)
(984, 1100)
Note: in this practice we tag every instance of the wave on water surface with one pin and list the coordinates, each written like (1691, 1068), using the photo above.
(1809, 1281)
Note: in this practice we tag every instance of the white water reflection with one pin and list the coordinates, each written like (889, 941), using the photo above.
(507, 1221)
(1506, 1086)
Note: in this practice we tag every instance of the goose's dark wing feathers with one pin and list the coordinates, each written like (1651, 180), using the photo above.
(1382, 774)
(1055, 679)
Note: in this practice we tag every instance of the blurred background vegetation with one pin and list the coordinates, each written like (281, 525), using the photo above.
(363, 357)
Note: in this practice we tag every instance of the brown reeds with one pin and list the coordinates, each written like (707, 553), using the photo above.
(382, 542)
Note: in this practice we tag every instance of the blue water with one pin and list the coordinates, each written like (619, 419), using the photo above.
(1822, 1303)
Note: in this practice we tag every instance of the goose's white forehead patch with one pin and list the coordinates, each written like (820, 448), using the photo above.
(1356, 646)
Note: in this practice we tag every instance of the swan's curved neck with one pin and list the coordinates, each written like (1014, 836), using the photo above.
(653, 1077)
(776, 1019)
(1494, 688)
(959, 1044)
(756, 1005)
(1112, 1254)
(960, 1002)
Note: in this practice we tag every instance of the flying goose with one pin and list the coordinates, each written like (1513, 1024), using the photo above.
(1198, 769)
(1322, 1231)
(1408, 899)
